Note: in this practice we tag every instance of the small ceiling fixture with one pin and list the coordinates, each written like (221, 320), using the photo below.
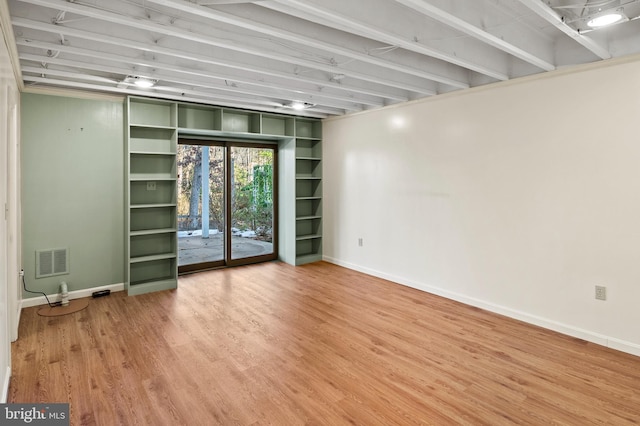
(299, 106)
(142, 82)
(608, 17)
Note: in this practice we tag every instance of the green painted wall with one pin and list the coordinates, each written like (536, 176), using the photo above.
(73, 189)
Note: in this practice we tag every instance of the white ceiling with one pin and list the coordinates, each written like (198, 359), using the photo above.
(338, 56)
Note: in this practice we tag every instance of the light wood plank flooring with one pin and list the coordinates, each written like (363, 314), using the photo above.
(316, 344)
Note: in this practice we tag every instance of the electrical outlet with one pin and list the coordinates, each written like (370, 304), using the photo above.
(151, 186)
(601, 292)
(359, 242)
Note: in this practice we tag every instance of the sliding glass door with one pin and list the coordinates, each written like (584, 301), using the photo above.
(227, 211)
(251, 201)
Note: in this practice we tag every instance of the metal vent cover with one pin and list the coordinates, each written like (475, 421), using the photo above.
(52, 262)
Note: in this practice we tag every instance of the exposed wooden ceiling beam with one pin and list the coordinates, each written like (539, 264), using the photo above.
(464, 27)
(252, 25)
(44, 75)
(183, 76)
(149, 93)
(552, 17)
(341, 56)
(365, 29)
(343, 91)
(174, 31)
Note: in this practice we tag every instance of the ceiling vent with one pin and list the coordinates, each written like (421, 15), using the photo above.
(52, 262)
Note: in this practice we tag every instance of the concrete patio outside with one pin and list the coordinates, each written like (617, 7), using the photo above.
(195, 249)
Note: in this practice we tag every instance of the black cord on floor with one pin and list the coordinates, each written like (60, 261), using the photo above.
(51, 305)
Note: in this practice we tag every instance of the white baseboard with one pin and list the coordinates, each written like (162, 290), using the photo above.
(610, 342)
(77, 294)
(5, 386)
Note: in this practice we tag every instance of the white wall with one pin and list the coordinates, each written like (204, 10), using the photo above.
(518, 198)
(9, 212)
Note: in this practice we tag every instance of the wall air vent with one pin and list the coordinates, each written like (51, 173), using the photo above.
(52, 262)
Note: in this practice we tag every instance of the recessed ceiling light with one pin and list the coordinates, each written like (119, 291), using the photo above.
(299, 105)
(605, 19)
(142, 82)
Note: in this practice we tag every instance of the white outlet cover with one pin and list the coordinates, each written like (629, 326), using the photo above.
(601, 292)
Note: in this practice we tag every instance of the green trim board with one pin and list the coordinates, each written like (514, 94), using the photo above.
(154, 127)
(153, 284)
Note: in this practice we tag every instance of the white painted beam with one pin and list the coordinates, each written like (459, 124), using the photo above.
(358, 26)
(550, 15)
(75, 76)
(152, 94)
(464, 27)
(68, 74)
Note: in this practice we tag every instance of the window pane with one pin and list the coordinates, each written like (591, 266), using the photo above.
(251, 201)
(200, 183)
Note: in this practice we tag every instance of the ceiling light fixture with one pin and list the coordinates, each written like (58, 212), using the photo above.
(142, 82)
(299, 106)
(608, 17)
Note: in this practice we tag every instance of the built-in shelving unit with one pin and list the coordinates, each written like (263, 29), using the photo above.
(308, 135)
(198, 119)
(152, 250)
(154, 127)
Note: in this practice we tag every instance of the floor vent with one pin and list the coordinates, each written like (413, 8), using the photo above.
(52, 262)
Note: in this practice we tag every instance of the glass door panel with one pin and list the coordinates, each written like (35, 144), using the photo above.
(227, 214)
(201, 216)
(252, 201)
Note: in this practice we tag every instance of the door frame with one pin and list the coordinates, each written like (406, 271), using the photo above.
(227, 261)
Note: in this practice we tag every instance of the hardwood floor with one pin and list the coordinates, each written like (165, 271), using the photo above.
(315, 344)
